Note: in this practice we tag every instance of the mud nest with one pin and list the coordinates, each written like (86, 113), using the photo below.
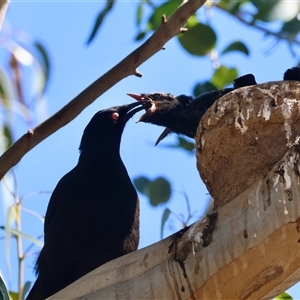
(244, 134)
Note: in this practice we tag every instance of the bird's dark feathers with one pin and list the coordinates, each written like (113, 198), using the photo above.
(93, 213)
(108, 124)
(292, 74)
(182, 114)
(245, 80)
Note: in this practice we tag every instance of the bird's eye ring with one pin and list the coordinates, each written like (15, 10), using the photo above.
(155, 96)
(115, 116)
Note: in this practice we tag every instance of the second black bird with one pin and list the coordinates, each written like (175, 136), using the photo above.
(93, 213)
(182, 114)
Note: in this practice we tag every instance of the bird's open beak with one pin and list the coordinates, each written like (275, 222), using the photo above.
(165, 133)
(149, 105)
(137, 97)
(135, 107)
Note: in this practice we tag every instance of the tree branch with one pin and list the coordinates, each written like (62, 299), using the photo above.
(251, 251)
(3, 7)
(125, 68)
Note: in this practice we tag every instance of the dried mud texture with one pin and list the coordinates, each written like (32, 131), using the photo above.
(244, 134)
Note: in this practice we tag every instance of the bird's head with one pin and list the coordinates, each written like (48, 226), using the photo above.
(292, 74)
(163, 110)
(106, 127)
(161, 106)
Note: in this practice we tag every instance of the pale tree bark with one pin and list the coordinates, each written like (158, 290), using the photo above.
(128, 66)
(248, 155)
(3, 8)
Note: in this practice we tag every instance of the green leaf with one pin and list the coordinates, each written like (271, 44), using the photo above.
(159, 191)
(8, 136)
(276, 10)
(236, 46)
(142, 184)
(109, 5)
(44, 62)
(26, 287)
(224, 76)
(198, 40)
(3, 291)
(14, 295)
(23, 235)
(139, 13)
(284, 296)
(183, 143)
(264, 5)
(10, 218)
(5, 90)
(201, 88)
(165, 9)
(292, 27)
(164, 219)
(140, 35)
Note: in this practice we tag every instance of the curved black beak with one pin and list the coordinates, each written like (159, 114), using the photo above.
(131, 109)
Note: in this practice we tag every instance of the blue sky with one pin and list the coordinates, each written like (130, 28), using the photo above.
(63, 27)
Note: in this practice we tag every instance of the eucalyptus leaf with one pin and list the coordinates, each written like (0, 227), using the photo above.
(139, 13)
(44, 62)
(281, 10)
(292, 27)
(26, 287)
(224, 76)
(3, 290)
(198, 40)
(142, 184)
(166, 9)
(236, 46)
(31, 239)
(140, 35)
(284, 296)
(100, 18)
(184, 144)
(7, 132)
(204, 87)
(164, 219)
(160, 191)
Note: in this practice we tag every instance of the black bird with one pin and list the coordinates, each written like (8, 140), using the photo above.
(182, 114)
(93, 213)
(292, 74)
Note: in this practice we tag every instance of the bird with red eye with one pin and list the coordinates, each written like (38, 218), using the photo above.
(182, 114)
(115, 116)
(93, 212)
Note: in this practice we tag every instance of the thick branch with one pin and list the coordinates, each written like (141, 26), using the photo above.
(254, 253)
(125, 68)
(251, 251)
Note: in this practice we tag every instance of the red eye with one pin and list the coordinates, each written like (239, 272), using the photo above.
(115, 116)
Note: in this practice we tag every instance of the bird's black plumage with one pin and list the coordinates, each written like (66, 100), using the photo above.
(93, 213)
(182, 114)
(292, 74)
